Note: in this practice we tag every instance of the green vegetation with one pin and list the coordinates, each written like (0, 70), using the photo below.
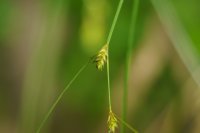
(143, 68)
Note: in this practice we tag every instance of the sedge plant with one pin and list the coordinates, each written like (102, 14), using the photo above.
(103, 57)
(100, 60)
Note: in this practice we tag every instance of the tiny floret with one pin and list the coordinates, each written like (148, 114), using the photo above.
(112, 122)
(101, 58)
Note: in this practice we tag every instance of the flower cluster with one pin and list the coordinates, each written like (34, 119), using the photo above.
(112, 122)
(101, 57)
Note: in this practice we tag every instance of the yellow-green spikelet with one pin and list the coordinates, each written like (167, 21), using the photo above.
(112, 122)
(101, 58)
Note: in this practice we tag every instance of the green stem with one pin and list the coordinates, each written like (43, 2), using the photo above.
(108, 42)
(109, 93)
(128, 59)
(59, 98)
(127, 125)
(115, 21)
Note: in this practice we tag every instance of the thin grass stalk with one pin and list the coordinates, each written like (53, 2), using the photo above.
(111, 127)
(108, 42)
(59, 98)
(131, 40)
(114, 21)
(126, 125)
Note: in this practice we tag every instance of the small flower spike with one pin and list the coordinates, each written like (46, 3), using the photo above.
(112, 122)
(101, 58)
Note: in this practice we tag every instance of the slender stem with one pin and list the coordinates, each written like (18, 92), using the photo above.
(126, 124)
(115, 21)
(108, 78)
(128, 59)
(59, 98)
(108, 42)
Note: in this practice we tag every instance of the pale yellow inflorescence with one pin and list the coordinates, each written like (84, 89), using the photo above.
(112, 122)
(101, 57)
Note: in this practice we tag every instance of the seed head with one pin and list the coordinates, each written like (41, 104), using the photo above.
(101, 57)
(112, 122)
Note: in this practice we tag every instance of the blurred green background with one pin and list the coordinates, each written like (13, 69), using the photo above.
(43, 43)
